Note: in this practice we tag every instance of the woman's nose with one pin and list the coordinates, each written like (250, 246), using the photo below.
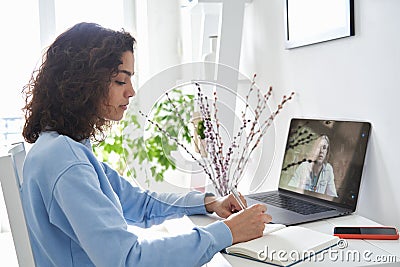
(130, 92)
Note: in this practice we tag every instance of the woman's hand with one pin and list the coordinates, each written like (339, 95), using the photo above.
(223, 206)
(244, 224)
(248, 224)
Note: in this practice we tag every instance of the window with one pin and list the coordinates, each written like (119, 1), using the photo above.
(107, 13)
(19, 53)
(21, 47)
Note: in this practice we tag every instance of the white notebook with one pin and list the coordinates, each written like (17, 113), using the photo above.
(283, 246)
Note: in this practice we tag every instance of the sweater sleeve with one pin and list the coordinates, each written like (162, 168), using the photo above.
(82, 210)
(145, 208)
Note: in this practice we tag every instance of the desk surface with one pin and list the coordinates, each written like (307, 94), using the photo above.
(357, 253)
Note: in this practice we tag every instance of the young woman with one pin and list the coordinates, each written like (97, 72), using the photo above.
(77, 208)
(316, 175)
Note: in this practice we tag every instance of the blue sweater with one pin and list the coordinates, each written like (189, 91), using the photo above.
(77, 210)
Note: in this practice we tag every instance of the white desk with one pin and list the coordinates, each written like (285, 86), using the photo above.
(357, 253)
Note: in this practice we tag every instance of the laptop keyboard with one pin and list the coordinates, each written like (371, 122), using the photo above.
(292, 204)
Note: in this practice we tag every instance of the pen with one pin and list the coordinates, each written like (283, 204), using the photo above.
(237, 197)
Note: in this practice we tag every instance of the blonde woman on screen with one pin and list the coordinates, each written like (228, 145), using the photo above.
(316, 175)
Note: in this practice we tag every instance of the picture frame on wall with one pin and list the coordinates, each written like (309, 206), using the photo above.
(315, 21)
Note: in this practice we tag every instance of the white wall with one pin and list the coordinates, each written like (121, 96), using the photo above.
(158, 37)
(351, 78)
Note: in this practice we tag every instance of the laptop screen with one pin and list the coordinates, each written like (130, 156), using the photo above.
(325, 159)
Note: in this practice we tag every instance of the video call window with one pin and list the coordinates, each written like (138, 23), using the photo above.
(325, 159)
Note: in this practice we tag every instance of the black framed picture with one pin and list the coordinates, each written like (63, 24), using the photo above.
(314, 21)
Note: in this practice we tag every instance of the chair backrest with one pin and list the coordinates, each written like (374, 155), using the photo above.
(18, 155)
(11, 180)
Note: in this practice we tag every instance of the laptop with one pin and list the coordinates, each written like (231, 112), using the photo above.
(321, 171)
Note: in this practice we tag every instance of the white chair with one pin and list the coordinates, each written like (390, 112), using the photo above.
(11, 180)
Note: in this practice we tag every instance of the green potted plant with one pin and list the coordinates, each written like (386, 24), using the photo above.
(147, 146)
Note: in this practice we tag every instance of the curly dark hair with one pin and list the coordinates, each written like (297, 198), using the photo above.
(67, 91)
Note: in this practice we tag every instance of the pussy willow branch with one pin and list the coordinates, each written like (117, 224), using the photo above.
(181, 145)
(205, 115)
(243, 161)
(209, 135)
(249, 138)
(184, 124)
(237, 139)
(219, 143)
(213, 137)
(220, 164)
(261, 106)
